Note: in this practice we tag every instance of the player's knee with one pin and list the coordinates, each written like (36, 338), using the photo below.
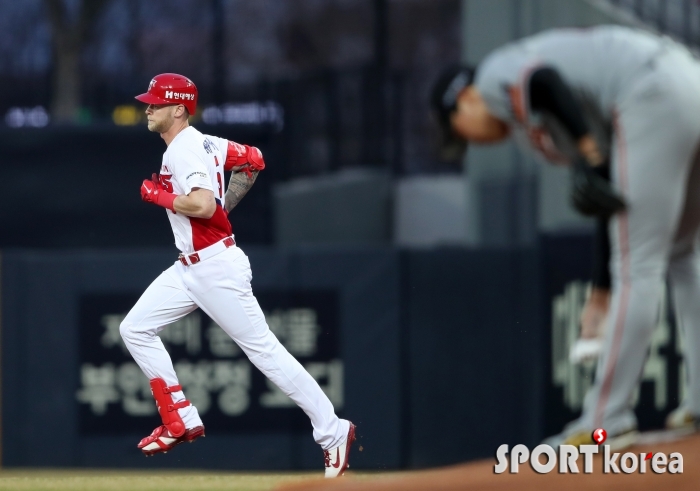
(126, 329)
(135, 333)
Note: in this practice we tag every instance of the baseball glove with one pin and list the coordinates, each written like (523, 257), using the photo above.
(591, 193)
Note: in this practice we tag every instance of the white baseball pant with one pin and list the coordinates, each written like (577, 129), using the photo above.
(220, 286)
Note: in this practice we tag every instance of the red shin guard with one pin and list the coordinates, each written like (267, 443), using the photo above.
(167, 408)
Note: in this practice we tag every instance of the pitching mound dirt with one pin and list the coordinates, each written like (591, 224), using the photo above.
(480, 476)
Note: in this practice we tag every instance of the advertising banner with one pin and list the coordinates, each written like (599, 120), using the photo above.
(229, 392)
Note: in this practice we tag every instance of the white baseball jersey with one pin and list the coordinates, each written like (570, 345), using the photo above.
(194, 160)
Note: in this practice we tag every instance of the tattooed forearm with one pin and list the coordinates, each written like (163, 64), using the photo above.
(238, 186)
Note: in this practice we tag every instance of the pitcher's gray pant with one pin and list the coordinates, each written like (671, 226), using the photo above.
(655, 166)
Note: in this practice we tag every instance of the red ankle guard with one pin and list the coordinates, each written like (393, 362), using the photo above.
(167, 408)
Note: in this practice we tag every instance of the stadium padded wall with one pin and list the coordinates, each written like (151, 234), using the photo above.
(475, 353)
(436, 355)
(42, 356)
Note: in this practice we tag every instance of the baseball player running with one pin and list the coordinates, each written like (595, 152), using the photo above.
(211, 273)
(630, 100)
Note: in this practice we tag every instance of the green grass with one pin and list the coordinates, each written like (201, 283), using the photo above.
(111, 480)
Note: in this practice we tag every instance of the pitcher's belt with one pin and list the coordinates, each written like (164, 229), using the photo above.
(207, 252)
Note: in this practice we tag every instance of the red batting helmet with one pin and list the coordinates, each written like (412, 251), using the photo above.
(171, 88)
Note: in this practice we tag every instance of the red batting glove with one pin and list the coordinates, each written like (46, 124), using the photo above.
(153, 192)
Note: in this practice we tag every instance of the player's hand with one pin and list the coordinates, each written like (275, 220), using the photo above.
(150, 189)
(594, 313)
(588, 147)
(152, 192)
(593, 324)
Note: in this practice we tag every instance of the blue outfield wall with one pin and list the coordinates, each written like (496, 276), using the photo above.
(473, 353)
(42, 361)
(438, 356)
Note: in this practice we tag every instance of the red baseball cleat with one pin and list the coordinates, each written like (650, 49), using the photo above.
(161, 440)
(337, 459)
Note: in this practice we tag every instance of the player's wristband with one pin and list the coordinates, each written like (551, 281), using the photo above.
(166, 200)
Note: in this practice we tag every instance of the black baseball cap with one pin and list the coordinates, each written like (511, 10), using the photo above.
(443, 100)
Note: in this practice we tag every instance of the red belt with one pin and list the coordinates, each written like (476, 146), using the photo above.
(207, 252)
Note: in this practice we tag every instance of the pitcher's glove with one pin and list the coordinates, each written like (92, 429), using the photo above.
(591, 193)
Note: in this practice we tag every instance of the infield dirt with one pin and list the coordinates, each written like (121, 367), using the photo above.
(480, 476)
(470, 476)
